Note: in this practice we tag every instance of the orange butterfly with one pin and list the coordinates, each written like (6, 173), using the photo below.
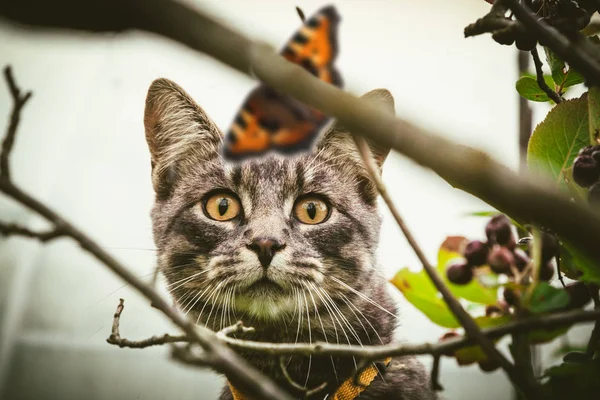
(269, 120)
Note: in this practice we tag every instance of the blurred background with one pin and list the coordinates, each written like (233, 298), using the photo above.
(81, 149)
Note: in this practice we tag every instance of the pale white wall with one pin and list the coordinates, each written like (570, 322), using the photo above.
(81, 149)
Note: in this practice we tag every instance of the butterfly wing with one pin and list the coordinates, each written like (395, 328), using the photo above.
(269, 120)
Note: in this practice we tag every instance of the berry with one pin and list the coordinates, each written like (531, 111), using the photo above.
(550, 246)
(579, 295)
(492, 309)
(488, 365)
(500, 259)
(499, 230)
(511, 297)
(448, 335)
(576, 357)
(588, 150)
(594, 195)
(476, 253)
(585, 171)
(505, 37)
(522, 260)
(525, 42)
(459, 273)
(546, 271)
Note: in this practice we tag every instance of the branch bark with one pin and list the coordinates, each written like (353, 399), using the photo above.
(470, 170)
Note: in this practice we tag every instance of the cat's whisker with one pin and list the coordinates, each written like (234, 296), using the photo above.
(344, 319)
(210, 296)
(185, 298)
(341, 326)
(320, 322)
(348, 304)
(363, 296)
(309, 337)
(363, 315)
(213, 300)
(184, 280)
(197, 299)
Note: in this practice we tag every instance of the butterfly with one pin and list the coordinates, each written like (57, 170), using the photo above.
(271, 121)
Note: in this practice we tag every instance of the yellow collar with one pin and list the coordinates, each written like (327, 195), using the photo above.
(349, 390)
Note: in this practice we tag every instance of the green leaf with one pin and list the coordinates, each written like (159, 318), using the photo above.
(572, 78)
(572, 381)
(421, 293)
(529, 89)
(555, 141)
(594, 114)
(545, 298)
(557, 66)
(473, 291)
(590, 270)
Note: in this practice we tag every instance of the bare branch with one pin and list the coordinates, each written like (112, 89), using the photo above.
(17, 230)
(116, 339)
(449, 346)
(517, 195)
(435, 373)
(9, 139)
(540, 77)
(224, 359)
(455, 307)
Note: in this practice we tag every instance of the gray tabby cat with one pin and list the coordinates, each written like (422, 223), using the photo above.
(285, 244)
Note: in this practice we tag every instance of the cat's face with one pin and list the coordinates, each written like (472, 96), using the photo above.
(259, 238)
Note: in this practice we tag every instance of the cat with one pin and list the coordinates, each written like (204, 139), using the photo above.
(285, 244)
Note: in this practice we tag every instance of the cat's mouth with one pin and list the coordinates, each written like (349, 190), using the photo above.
(265, 285)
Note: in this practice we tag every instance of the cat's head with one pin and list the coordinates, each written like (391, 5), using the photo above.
(259, 237)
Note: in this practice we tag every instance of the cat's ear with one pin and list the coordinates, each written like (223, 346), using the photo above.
(340, 141)
(178, 132)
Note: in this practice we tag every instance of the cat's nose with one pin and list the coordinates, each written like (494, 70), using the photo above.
(265, 248)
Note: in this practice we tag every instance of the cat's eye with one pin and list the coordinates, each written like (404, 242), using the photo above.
(311, 210)
(222, 206)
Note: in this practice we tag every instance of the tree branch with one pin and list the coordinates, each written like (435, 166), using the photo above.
(16, 230)
(540, 77)
(9, 138)
(116, 339)
(446, 347)
(459, 312)
(224, 359)
(519, 196)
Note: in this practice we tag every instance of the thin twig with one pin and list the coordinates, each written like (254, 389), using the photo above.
(435, 374)
(17, 230)
(19, 102)
(116, 339)
(455, 307)
(224, 359)
(540, 77)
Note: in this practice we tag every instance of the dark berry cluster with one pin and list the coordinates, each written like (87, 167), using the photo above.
(586, 172)
(500, 253)
(568, 16)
